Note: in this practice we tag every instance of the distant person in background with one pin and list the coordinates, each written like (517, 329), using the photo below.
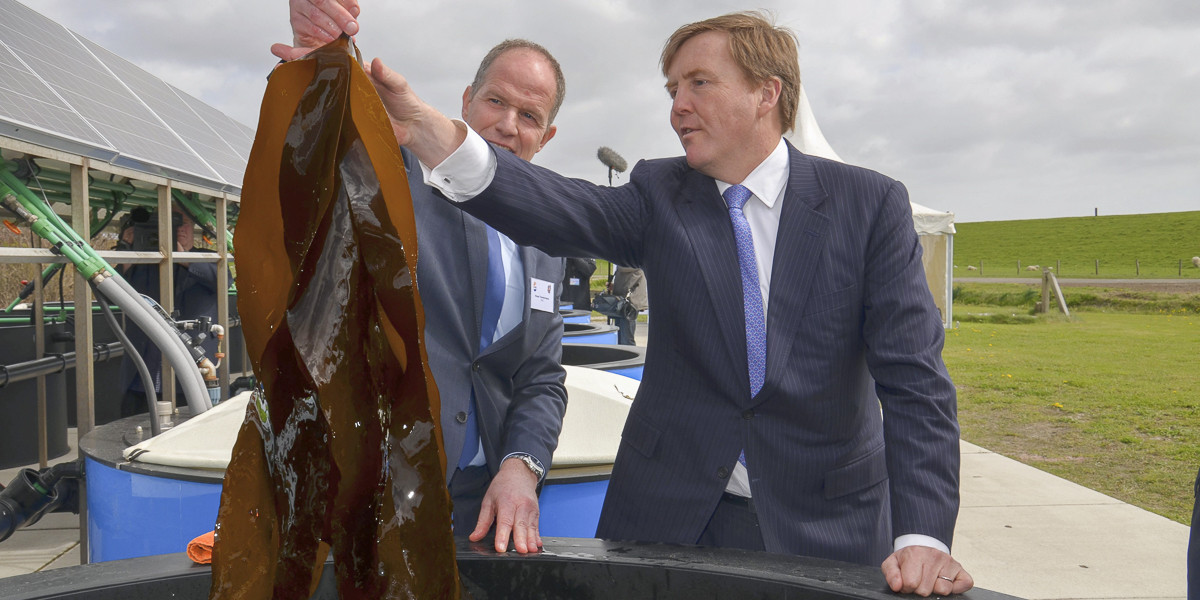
(195, 297)
(1194, 547)
(577, 283)
(631, 282)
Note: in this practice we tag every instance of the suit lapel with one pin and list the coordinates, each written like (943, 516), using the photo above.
(475, 234)
(803, 228)
(705, 219)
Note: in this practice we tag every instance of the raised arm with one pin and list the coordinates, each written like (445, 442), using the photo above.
(316, 23)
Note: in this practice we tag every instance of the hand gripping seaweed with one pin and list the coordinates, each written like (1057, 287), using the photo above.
(340, 450)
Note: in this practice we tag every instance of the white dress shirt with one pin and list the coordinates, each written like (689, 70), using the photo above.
(470, 168)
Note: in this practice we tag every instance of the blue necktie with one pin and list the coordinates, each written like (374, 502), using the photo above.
(756, 328)
(493, 302)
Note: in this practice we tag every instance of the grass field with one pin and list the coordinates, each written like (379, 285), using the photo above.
(1159, 241)
(1109, 400)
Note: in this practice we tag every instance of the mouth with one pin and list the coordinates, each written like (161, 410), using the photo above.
(686, 131)
(504, 146)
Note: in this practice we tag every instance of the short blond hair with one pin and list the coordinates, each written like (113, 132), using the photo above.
(762, 49)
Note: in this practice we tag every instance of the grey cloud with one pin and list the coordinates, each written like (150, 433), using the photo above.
(994, 110)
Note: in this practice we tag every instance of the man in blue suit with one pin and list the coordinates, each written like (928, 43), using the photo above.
(794, 397)
(502, 400)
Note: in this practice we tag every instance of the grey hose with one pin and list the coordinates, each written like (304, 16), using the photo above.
(130, 351)
(167, 341)
(172, 338)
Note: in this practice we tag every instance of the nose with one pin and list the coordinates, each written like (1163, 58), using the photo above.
(681, 104)
(507, 124)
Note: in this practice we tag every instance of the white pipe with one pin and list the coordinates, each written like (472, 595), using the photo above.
(172, 337)
(168, 343)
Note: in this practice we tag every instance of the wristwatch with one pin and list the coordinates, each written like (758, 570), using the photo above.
(530, 462)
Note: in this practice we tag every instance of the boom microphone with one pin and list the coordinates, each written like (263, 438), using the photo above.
(611, 159)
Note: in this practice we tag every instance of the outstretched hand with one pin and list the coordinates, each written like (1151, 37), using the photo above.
(922, 570)
(419, 127)
(316, 23)
(511, 502)
(425, 131)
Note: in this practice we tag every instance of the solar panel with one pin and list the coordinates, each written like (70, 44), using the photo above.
(26, 100)
(177, 115)
(60, 90)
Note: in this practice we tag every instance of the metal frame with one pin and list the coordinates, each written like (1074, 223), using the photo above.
(165, 257)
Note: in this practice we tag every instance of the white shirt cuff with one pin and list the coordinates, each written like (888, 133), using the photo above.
(466, 172)
(916, 539)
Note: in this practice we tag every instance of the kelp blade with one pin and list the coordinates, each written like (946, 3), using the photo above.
(341, 446)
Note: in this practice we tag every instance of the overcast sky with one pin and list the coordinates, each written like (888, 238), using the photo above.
(994, 110)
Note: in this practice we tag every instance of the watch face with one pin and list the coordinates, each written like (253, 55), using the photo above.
(532, 464)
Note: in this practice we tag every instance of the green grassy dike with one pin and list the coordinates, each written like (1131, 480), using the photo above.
(1158, 241)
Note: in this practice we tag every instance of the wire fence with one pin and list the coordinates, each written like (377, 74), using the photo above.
(1182, 268)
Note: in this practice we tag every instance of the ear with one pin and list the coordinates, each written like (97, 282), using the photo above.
(769, 94)
(550, 131)
(466, 101)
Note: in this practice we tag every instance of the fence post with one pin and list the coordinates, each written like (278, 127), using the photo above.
(981, 268)
(1097, 266)
(1045, 304)
(1018, 266)
(1137, 267)
(1181, 267)
(1058, 267)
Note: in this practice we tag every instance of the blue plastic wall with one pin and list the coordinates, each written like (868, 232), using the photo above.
(630, 372)
(132, 515)
(592, 338)
(572, 509)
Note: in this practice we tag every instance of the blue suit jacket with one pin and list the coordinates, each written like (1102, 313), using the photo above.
(518, 379)
(851, 327)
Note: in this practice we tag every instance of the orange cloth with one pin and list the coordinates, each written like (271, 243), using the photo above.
(200, 550)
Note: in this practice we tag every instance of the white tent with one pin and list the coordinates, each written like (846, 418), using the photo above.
(935, 227)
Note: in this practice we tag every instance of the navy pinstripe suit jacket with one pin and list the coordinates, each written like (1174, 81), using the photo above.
(851, 327)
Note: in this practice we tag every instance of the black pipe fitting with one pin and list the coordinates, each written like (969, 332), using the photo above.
(23, 502)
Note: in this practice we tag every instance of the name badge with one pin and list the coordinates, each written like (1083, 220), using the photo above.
(541, 295)
(574, 281)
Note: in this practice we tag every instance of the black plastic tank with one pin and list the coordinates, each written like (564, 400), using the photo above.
(569, 568)
(19, 400)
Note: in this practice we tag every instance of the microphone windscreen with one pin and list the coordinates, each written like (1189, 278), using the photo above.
(611, 159)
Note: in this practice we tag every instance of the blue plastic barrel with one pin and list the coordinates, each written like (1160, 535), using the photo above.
(137, 514)
(576, 316)
(589, 333)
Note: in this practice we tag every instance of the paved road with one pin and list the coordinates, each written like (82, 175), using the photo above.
(1179, 286)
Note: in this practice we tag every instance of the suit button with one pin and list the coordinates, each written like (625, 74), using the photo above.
(461, 417)
(749, 414)
(722, 472)
(475, 367)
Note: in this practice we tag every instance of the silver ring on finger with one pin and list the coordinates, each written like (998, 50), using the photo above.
(946, 578)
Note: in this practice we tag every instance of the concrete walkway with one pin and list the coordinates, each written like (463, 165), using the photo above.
(1031, 534)
(1020, 531)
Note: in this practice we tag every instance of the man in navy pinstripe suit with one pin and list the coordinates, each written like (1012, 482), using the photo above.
(850, 324)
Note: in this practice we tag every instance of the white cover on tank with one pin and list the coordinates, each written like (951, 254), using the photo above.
(203, 442)
(598, 404)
